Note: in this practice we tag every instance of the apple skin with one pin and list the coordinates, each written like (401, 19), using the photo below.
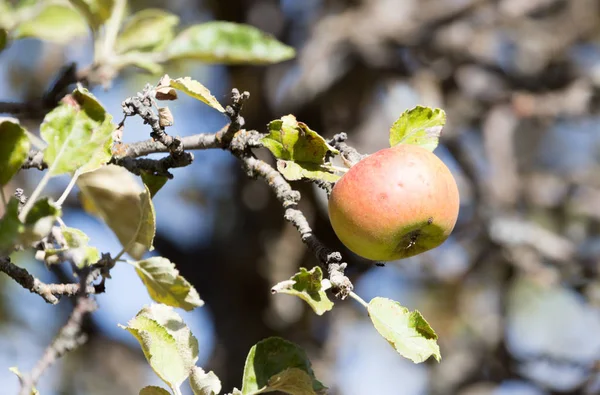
(394, 204)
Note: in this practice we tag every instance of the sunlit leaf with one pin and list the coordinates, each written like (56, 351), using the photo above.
(79, 251)
(418, 126)
(167, 343)
(406, 331)
(113, 194)
(37, 225)
(196, 90)
(153, 390)
(76, 244)
(14, 147)
(300, 150)
(166, 285)
(78, 133)
(53, 22)
(307, 285)
(39, 220)
(293, 171)
(290, 381)
(203, 383)
(150, 29)
(269, 359)
(228, 43)
(95, 11)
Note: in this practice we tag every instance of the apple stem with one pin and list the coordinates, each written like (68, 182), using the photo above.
(338, 168)
(359, 299)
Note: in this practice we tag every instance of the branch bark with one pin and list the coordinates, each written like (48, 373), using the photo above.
(49, 292)
(69, 337)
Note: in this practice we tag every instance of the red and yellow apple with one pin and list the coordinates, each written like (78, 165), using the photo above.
(395, 203)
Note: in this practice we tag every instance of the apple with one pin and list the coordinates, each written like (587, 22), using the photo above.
(395, 203)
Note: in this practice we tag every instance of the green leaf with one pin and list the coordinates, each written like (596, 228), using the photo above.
(3, 39)
(293, 171)
(80, 252)
(95, 11)
(291, 381)
(167, 343)
(112, 194)
(228, 43)
(38, 223)
(14, 147)
(419, 126)
(148, 30)
(268, 359)
(203, 383)
(194, 89)
(153, 390)
(308, 286)
(406, 331)
(289, 139)
(78, 133)
(16, 371)
(10, 227)
(53, 22)
(153, 182)
(166, 285)
(300, 150)
(39, 220)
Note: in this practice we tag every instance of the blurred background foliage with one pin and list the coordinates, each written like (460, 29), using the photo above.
(514, 294)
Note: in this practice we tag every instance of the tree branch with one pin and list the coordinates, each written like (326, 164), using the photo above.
(35, 159)
(349, 155)
(48, 292)
(67, 76)
(289, 198)
(69, 337)
(239, 142)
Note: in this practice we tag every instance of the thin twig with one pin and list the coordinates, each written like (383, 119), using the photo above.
(239, 142)
(233, 112)
(69, 337)
(49, 292)
(349, 155)
(39, 107)
(35, 159)
(159, 167)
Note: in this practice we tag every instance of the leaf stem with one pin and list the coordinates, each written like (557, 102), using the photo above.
(64, 195)
(119, 255)
(338, 168)
(36, 193)
(112, 29)
(359, 299)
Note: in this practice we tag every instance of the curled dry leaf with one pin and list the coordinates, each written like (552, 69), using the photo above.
(164, 91)
(165, 118)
